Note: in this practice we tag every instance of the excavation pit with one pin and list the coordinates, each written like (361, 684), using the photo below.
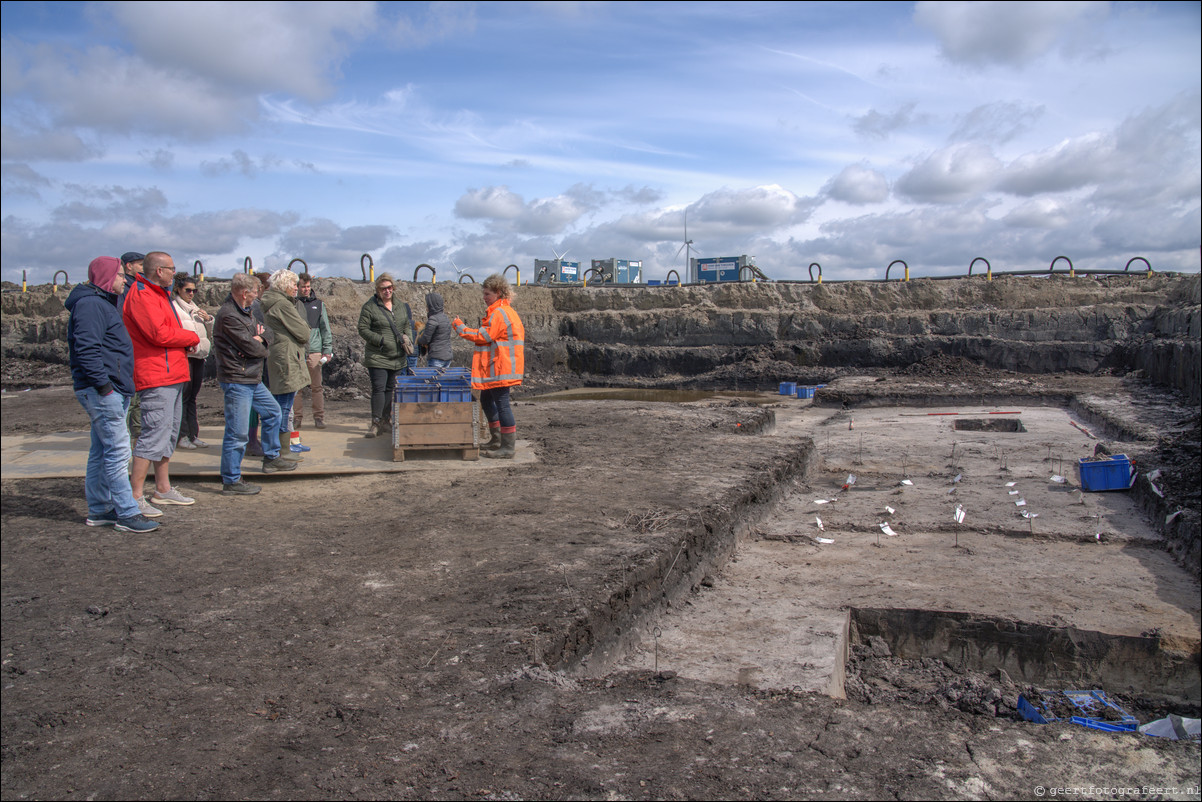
(1050, 585)
(988, 425)
(1049, 657)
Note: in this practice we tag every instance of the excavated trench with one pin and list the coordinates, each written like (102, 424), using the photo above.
(1049, 657)
(744, 598)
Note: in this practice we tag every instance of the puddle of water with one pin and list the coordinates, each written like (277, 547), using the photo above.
(662, 396)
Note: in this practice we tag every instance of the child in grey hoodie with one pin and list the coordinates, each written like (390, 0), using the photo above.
(435, 338)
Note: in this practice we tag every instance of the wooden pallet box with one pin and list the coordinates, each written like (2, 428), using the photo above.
(435, 426)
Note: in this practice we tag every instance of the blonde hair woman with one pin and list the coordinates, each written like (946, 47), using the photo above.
(286, 370)
(498, 363)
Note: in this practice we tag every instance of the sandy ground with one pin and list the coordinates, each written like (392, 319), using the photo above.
(447, 634)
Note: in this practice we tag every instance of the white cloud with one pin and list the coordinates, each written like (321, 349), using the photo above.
(21, 180)
(489, 203)
(104, 89)
(191, 70)
(877, 125)
(113, 219)
(1070, 165)
(998, 122)
(1038, 213)
(323, 242)
(549, 216)
(440, 22)
(508, 210)
(952, 174)
(982, 33)
(857, 184)
(249, 46)
(36, 143)
(753, 210)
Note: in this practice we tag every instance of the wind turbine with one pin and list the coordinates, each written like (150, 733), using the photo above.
(687, 247)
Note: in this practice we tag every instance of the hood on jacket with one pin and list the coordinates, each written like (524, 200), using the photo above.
(434, 303)
(102, 272)
(273, 297)
(82, 291)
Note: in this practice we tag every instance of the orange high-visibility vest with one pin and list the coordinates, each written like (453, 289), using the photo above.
(499, 358)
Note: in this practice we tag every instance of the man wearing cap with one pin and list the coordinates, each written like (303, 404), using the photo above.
(160, 348)
(131, 265)
(102, 370)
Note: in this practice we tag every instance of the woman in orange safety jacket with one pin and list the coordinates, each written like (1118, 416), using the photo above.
(497, 363)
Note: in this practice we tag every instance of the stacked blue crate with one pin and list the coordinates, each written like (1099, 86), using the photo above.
(434, 385)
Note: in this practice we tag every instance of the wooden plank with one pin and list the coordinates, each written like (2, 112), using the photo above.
(470, 454)
(447, 435)
(432, 412)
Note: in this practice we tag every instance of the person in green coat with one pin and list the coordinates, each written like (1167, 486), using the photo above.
(384, 327)
(286, 369)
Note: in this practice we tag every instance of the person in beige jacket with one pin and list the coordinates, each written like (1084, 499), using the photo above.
(197, 320)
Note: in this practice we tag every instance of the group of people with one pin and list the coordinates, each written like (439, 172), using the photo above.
(392, 345)
(138, 345)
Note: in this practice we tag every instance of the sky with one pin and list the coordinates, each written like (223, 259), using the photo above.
(471, 136)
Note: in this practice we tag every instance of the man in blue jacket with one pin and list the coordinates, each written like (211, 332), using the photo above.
(102, 369)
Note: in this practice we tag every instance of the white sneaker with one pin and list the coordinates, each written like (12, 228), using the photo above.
(147, 510)
(172, 496)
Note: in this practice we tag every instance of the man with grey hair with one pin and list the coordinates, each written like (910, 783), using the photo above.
(240, 344)
(160, 347)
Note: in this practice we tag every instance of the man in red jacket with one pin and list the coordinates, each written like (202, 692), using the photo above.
(161, 348)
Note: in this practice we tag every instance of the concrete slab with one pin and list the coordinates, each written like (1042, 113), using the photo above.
(338, 449)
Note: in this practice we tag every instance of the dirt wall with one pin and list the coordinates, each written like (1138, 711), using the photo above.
(768, 332)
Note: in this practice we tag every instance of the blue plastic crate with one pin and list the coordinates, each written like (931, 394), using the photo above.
(1113, 473)
(416, 395)
(788, 388)
(1091, 704)
(455, 394)
(805, 392)
(442, 374)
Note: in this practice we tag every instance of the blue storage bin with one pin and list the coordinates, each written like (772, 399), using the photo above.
(788, 388)
(805, 392)
(1112, 473)
(415, 395)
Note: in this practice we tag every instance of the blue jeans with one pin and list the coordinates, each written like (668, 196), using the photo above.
(437, 363)
(240, 399)
(285, 401)
(107, 482)
(495, 404)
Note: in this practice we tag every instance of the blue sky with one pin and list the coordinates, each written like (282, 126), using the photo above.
(475, 135)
